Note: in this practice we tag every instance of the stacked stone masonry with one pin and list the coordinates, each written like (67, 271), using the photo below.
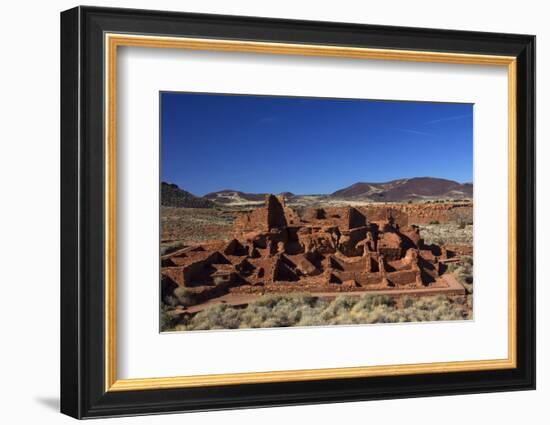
(326, 249)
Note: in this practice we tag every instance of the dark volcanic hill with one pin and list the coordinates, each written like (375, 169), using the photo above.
(406, 189)
(172, 196)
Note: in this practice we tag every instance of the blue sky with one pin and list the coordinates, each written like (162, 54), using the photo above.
(260, 144)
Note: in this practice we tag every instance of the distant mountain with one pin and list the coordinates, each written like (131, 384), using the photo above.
(172, 196)
(236, 197)
(406, 189)
(401, 190)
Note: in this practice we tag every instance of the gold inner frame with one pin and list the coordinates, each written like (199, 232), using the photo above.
(113, 41)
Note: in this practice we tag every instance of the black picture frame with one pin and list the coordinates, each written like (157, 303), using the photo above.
(83, 392)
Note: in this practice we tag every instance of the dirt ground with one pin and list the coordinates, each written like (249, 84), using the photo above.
(185, 226)
(447, 233)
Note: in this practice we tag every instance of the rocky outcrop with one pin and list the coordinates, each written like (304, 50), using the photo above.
(172, 196)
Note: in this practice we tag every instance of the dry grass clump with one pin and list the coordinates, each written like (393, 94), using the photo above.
(168, 247)
(167, 321)
(185, 297)
(305, 310)
(463, 271)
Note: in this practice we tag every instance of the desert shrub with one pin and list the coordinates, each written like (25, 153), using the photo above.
(340, 306)
(407, 301)
(465, 275)
(465, 271)
(296, 299)
(219, 316)
(185, 297)
(167, 321)
(219, 280)
(171, 301)
(306, 310)
(266, 301)
(449, 233)
(439, 299)
(423, 304)
(461, 225)
(171, 247)
(452, 267)
(311, 320)
(370, 301)
(434, 222)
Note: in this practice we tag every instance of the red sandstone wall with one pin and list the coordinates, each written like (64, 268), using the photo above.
(274, 215)
(254, 220)
(402, 277)
(460, 249)
(420, 213)
(175, 274)
(344, 218)
(379, 214)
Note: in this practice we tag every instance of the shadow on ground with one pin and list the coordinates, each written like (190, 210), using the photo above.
(49, 402)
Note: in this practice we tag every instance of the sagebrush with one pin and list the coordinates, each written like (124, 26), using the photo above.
(306, 310)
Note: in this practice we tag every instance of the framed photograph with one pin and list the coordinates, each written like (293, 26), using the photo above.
(261, 212)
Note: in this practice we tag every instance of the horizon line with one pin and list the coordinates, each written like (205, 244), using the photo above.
(182, 187)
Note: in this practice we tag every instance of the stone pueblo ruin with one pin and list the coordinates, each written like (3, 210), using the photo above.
(324, 251)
